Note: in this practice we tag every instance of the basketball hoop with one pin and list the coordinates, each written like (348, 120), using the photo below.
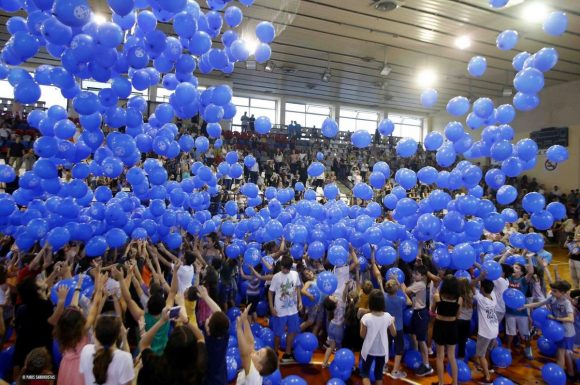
(550, 166)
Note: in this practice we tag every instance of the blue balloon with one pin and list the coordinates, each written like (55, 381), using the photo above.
(553, 374)
(507, 40)
(556, 23)
(506, 194)
(529, 81)
(477, 66)
(265, 32)
(361, 139)
(406, 147)
(329, 128)
(525, 102)
(326, 282)
(386, 127)
(433, 141)
(514, 298)
(429, 98)
(557, 154)
(458, 106)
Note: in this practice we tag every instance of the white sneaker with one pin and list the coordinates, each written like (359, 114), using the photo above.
(398, 375)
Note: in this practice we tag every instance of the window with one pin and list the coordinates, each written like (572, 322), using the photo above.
(354, 120)
(49, 95)
(307, 115)
(408, 127)
(164, 94)
(95, 87)
(254, 106)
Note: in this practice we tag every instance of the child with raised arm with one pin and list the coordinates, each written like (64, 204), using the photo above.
(255, 364)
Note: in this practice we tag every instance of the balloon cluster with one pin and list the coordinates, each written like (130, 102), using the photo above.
(304, 346)
(135, 50)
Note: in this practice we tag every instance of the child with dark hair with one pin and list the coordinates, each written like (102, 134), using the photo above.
(562, 311)
(446, 306)
(417, 291)
(488, 325)
(335, 308)
(373, 328)
(102, 362)
(255, 364)
(37, 363)
(285, 302)
(517, 319)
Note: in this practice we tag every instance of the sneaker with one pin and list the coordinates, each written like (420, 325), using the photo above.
(386, 370)
(528, 353)
(397, 375)
(287, 358)
(424, 370)
(431, 352)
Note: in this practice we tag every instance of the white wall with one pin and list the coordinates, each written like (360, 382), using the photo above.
(560, 107)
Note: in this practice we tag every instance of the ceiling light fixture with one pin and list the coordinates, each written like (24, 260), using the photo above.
(326, 76)
(251, 45)
(535, 12)
(386, 70)
(269, 67)
(99, 19)
(426, 78)
(463, 42)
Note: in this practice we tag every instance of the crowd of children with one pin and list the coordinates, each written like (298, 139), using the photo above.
(169, 312)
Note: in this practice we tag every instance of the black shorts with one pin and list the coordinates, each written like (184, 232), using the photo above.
(445, 332)
(399, 342)
(420, 324)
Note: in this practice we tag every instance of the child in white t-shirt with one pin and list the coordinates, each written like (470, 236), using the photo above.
(373, 328)
(488, 324)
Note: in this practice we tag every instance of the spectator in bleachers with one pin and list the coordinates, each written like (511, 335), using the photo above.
(28, 159)
(4, 135)
(251, 123)
(556, 192)
(245, 122)
(15, 154)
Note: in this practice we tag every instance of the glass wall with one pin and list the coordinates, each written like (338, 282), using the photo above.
(408, 126)
(256, 107)
(354, 120)
(307, 115)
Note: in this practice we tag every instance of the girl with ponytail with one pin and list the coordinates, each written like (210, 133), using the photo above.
(103, 363)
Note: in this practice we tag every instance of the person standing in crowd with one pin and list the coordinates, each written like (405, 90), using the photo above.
(285, 302)
(488, 328)
(15, 154)
(245, 122)
(373, 328)
(251, 123)
(446, 304)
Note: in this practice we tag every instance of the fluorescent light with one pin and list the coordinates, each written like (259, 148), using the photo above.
(535, 12)
(99, 19)
(426, 78)
(463, 42)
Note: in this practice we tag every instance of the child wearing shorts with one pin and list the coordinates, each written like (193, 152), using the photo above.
(488, 325)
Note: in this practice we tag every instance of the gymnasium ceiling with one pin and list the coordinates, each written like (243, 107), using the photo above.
(353, 38)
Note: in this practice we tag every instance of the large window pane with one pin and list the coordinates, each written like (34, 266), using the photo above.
(354, 120)
(315, 120)
(163, 95)
(52, 96)
(241, 101)
(262, 103)
(295, 107)
(298, 117)
(321, 110)
(408, 127)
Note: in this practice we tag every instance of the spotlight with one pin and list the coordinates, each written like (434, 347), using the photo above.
(252, 45)
(269, 67)
(99, 19)
(326, 76)
(426, 78)
(535, 12)
(463, 42)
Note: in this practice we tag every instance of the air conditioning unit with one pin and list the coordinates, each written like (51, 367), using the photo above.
(387, 5)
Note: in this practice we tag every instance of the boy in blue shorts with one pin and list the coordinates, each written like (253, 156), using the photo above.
(285, 302)
(562, 311)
